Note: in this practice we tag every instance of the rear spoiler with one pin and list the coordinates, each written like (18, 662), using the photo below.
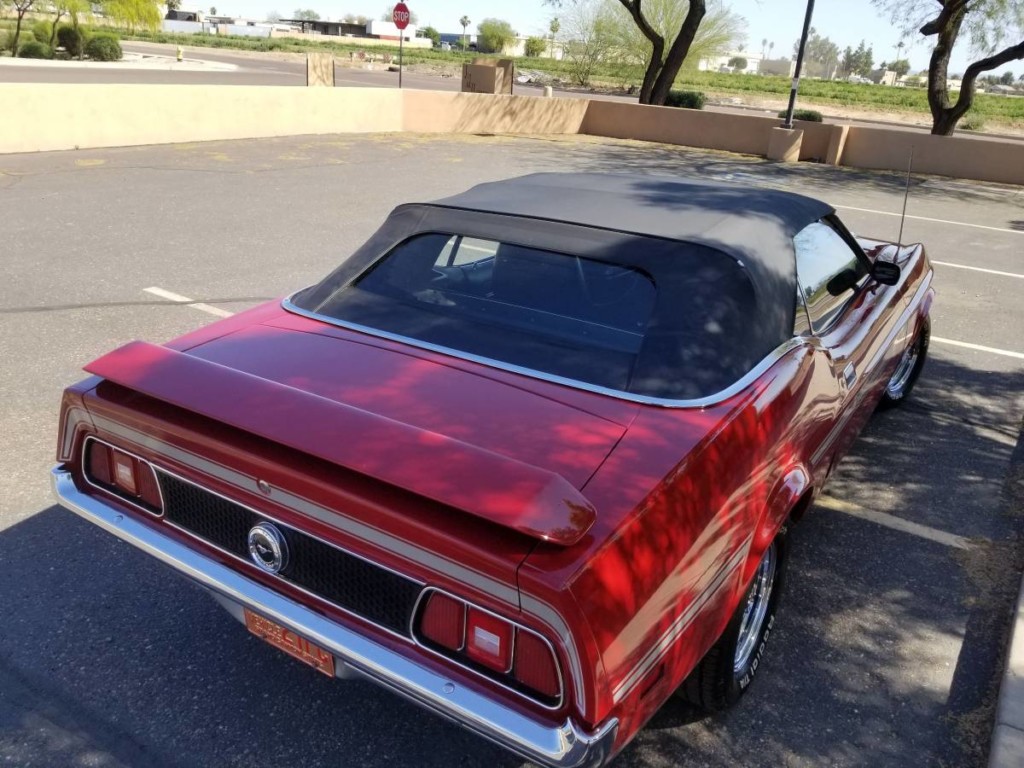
(504, 491)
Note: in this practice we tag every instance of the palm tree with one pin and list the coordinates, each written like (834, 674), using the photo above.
(770, 46)
(764, 44)
(465, 22)
(554, 27)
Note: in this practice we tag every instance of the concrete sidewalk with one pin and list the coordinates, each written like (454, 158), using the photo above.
(1008, 737)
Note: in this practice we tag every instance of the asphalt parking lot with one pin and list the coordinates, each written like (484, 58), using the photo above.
(890, 642)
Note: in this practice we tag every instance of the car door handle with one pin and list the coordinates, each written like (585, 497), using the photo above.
(850, 375)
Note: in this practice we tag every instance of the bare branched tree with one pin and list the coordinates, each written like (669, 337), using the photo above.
(995, 31)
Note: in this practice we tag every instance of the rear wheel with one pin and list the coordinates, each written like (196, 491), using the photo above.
(909, 368)
(729, 667)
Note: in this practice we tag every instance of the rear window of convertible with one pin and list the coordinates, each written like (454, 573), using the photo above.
(592, 321)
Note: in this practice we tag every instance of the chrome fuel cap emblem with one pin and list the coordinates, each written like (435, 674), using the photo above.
(268, 548)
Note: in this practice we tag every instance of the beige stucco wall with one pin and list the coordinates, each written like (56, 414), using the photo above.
(670, 125)
(441, 112)
(961, 157)
(59, 116)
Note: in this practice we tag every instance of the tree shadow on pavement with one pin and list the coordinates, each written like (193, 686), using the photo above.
(890, 648)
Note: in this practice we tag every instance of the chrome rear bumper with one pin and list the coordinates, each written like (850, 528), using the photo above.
(564, 745)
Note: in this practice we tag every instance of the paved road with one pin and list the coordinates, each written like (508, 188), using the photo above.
(889, 642)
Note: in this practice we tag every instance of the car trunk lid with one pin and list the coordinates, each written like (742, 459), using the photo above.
(483, 446)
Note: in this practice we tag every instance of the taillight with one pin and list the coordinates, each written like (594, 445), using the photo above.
(444, 621)
(489, 640)
(123, 474)
(535, 666)
(486, 643)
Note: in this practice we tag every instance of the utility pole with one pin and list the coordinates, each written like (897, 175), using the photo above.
(799, 65)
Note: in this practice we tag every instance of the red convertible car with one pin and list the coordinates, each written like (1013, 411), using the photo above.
(528, 457)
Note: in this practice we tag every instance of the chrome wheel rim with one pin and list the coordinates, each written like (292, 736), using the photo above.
(755, 611)
(898, 381)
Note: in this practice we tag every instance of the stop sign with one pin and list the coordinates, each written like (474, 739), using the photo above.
(401, 16)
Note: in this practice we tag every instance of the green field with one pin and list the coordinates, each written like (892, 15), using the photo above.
(995, 109)
(988, 109)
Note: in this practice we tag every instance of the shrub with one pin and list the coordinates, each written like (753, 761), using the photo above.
(103, 47)
(808, 115)
(41, 31)
(972, 123)
(70, 39)
(35, 50)
(685, 99)
(535, 46)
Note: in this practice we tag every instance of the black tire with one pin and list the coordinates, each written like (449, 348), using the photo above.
(720, 679)
(903, 379)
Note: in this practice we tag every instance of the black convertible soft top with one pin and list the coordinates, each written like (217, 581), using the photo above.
(721, 255)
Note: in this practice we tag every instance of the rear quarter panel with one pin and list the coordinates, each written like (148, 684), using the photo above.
(687, 503)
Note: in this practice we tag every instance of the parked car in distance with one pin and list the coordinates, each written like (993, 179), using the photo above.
(528, 457)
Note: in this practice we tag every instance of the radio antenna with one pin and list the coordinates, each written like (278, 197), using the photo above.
(906, 196)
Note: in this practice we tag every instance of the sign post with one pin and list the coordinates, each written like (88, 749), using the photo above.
(401, 18)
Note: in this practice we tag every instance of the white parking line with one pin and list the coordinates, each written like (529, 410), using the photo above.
(979, 348)
(896, 523)
(937, 221)
(977, 269)
(179, 299)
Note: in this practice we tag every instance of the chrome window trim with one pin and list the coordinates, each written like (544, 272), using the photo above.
(152, 468)
(560, 699)
(702, 402)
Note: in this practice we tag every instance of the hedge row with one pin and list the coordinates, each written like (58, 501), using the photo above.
(34, 43)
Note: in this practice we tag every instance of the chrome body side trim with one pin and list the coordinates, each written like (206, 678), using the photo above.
(563, 745)
(682, 622)
(702, 402)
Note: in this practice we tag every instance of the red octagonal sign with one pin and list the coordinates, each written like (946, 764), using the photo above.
(401, 16)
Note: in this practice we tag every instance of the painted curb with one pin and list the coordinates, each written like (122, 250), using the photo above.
(1008, 736)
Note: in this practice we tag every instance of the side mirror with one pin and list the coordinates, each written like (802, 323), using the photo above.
(885, 272)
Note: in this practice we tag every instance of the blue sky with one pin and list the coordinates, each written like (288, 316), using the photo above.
(846, 22)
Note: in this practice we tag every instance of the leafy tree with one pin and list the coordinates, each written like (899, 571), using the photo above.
(900, 67)
(389, 14)
(213, 10)
(21, 7)
(430, 32)
(273, 16)
(308, 14)
(821, 55)
(535, 46)
(493, 35)
(590, 34)
(554, 27)
(135, 14)
(465, 22)
(995, 29)
(173, 5)
(719, 31)
(1007, 78)
(737, 63)
(667, 51)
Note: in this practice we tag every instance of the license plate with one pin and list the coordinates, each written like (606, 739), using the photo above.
(289, 642)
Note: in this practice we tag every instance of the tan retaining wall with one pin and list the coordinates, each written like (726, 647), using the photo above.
(437, 112)
(688, 127)
(960, 157)
(59, 116)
